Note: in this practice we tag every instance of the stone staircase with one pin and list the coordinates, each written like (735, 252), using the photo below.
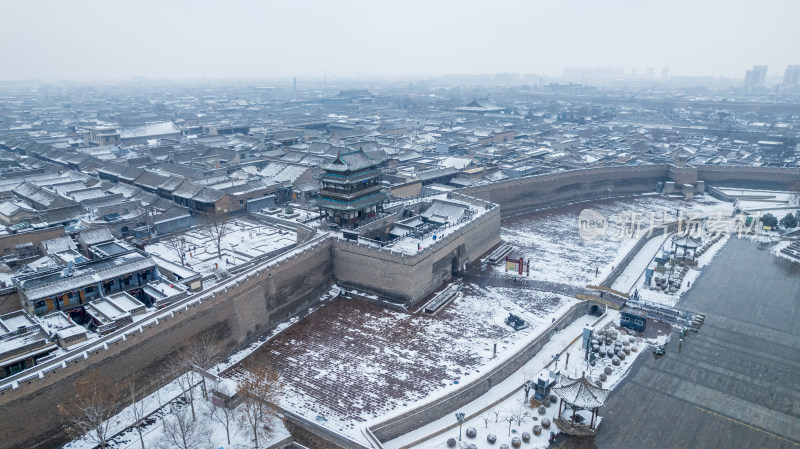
(793, 251)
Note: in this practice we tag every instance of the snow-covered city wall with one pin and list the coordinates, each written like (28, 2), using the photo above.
(410, 277)
(533, 192)
(236, 310)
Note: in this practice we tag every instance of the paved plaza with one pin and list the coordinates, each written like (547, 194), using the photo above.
(735, 384)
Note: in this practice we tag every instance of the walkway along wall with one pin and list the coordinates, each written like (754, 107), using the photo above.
(245, 306)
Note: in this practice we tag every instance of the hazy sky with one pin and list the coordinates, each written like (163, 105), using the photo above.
(247, 39)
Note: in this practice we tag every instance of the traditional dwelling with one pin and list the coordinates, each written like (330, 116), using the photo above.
(578, 406)
(351, 188)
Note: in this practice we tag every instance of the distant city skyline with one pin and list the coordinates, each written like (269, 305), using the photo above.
(95, 40)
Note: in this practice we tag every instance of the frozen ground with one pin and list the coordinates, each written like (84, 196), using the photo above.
(487, 414)
(170, 394)
(557, 253)
(245, 240)
(353, 361)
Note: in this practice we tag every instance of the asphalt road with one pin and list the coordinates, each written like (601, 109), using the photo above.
(734, 384)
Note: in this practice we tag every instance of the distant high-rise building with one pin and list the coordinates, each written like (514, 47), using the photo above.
(755, 78)
(664, 73)
(792, 75)
(651, 72)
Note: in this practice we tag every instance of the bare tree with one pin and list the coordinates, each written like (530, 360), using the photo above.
(520, 416)
(178, 246)
(486, 417)
(183, 430)
(90, 411)
(527, 382)
(216, 232)
(203, 351)
(509, 419)
(219, 408)
(185, 376)
(259, 390)
(200, 353)
(496, 414)
(138, 408)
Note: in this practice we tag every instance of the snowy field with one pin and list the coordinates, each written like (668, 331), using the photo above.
(491, 413)
(359, 361)
(557, 253)
(245, 240)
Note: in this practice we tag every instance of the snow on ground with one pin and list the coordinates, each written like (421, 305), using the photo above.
(245, 240)
(170, 394)
(161, 405)
(670, 299)
(359, 361)
(634, 272)
(480, 413)
(557, 253)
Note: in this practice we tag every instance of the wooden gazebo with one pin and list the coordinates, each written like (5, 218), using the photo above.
(583, 399)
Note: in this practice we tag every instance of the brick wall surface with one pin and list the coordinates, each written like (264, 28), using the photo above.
(28, 416)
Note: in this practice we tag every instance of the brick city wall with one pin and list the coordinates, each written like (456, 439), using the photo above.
(254, 304)
(411, 277)
(533, 192)
(750, 177)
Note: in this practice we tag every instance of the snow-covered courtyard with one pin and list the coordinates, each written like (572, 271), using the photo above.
(243, 240)
(551, 241)
(353, 360)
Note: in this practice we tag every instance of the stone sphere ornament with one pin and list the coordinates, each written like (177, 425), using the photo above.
(471, 432)
(516, 442)
(537, 430)
(451, 442)
(526, 437)
(542, 410)
(491, 438)
(546, 423)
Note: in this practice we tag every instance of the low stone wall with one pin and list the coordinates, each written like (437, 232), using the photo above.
(304, 232)
(419, 417)
(619, 269)
(312, 435)
(236, 312)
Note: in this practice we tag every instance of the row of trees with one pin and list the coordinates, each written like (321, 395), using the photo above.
(93, 409)
(215, 231)
(789, 221)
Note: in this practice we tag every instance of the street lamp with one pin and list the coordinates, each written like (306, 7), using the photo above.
(460, 419)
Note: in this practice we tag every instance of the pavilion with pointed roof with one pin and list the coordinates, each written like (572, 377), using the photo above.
(583, 398)
(687, 244)
(352, 188)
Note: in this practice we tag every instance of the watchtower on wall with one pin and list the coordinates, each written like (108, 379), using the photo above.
(351, 188)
